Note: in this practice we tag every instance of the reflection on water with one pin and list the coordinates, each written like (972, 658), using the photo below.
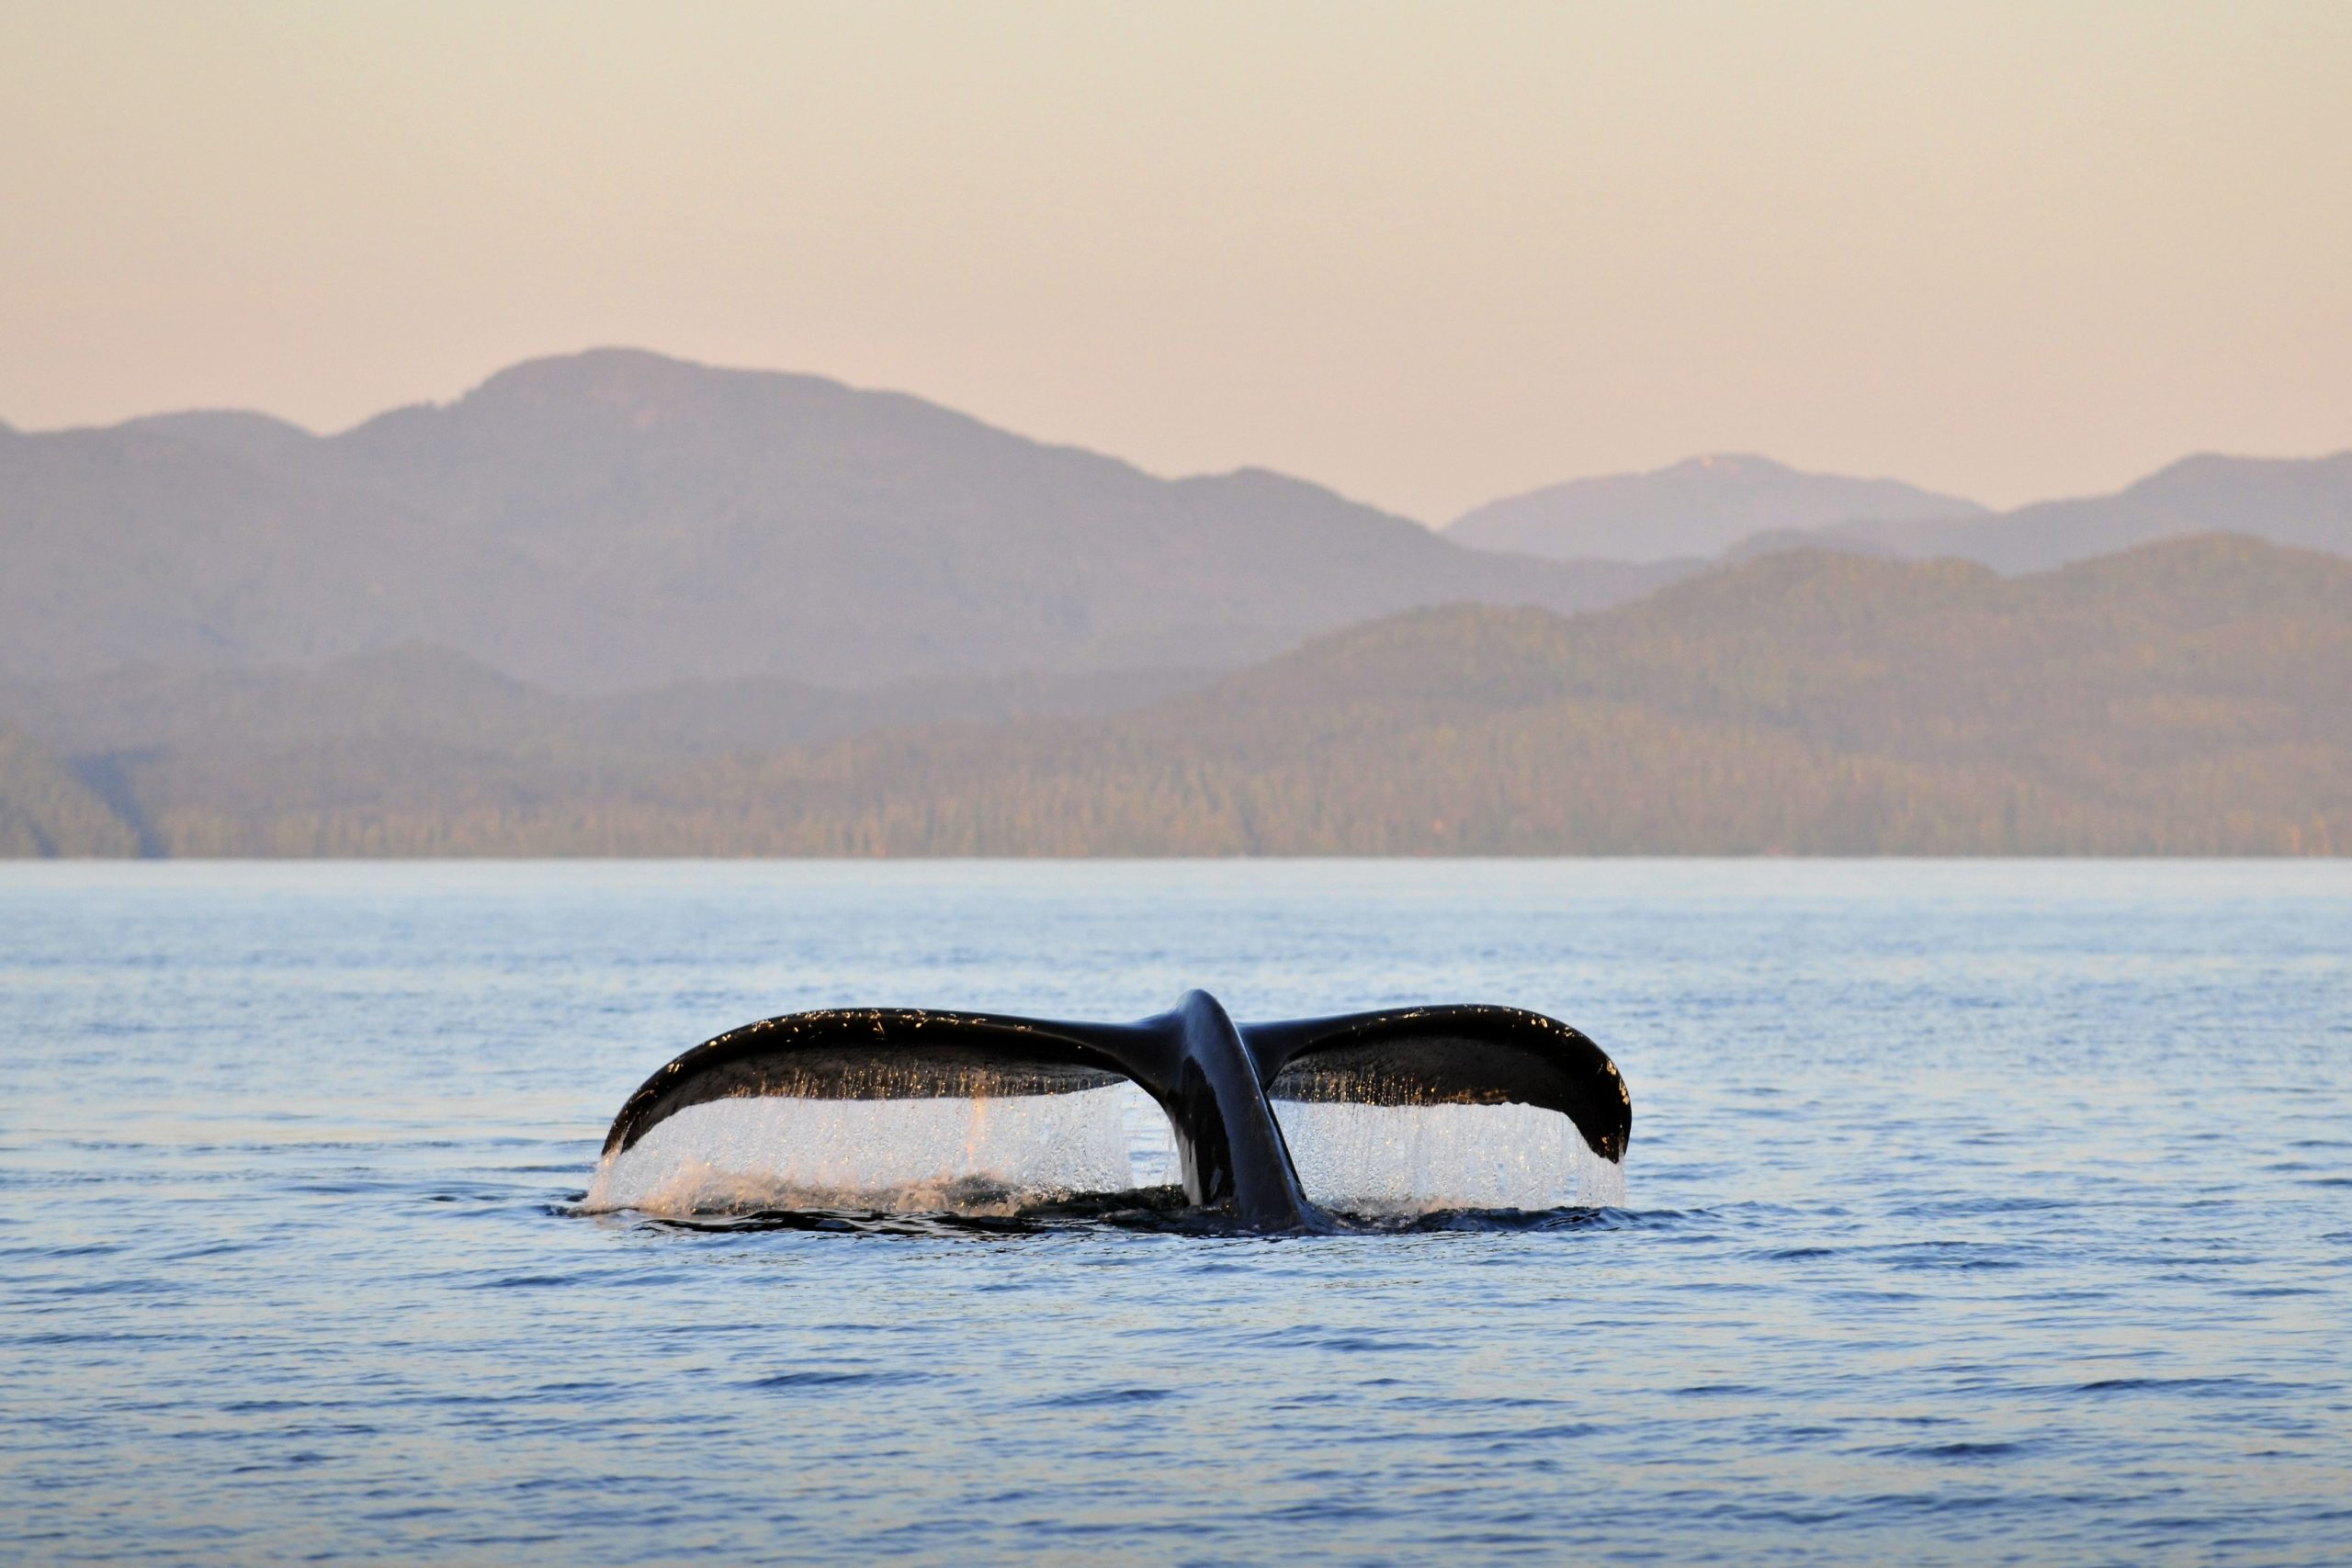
(1988, 1212)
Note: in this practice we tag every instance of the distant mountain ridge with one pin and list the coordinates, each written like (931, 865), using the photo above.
(1702, 506)
(2300, 502)
(616, 519)
(1734, 508)
(2185, 697)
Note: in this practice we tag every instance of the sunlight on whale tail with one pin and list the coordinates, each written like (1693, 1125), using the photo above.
(969, 1154)
(1277, 1126)
(1419, 1159)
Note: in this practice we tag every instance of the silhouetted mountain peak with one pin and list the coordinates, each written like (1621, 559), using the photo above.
(1265, 488)
(1731, 464)
(2202, 474)
(221, 427)
(635, 383)
(1261, 481)
(607, 409)
(1697, 507)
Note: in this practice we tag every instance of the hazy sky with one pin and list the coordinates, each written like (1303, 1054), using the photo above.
(1426, 253)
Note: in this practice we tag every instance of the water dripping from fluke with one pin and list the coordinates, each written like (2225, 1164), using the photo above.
(1464, 1116)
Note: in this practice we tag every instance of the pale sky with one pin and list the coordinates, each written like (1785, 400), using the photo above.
(1427, 254)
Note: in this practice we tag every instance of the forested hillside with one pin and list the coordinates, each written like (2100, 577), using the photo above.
(45, 810)
(2189, 697)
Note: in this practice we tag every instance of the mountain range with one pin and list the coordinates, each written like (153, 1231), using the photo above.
(1702, 507)
(615, 520)
(1734, 507)
(2188, 697)
(2287, 500)
(615, 602)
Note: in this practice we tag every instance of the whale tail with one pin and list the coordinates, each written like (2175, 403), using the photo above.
(1213, 1079)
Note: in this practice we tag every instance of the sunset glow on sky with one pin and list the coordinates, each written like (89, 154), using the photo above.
(1427, 254)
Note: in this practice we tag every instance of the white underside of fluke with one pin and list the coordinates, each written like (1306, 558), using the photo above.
(1363, 1158)
(998, 1154)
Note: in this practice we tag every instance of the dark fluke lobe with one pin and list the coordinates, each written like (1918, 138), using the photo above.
(1213, 1079)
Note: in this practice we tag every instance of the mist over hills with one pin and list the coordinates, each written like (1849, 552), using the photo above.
(616, 519)
(2191, 696)
(1698, 507)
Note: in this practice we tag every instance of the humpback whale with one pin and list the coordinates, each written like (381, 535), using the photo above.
(1213, 1078)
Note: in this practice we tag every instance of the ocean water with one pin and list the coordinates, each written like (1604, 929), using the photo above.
(1976, 1212)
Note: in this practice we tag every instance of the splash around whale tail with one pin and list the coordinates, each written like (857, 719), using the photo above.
(1213, 1079)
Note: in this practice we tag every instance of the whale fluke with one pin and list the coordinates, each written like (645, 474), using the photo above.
(1449, 1055)
(1213, 1079)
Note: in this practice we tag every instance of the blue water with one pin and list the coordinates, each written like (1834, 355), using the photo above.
(1976, 1211)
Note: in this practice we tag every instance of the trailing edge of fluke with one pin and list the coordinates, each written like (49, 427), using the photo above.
(1212, 1077)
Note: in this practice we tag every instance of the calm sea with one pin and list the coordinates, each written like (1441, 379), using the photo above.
(1976, 1212)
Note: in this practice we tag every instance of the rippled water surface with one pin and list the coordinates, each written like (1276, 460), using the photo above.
(1974, 1211)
